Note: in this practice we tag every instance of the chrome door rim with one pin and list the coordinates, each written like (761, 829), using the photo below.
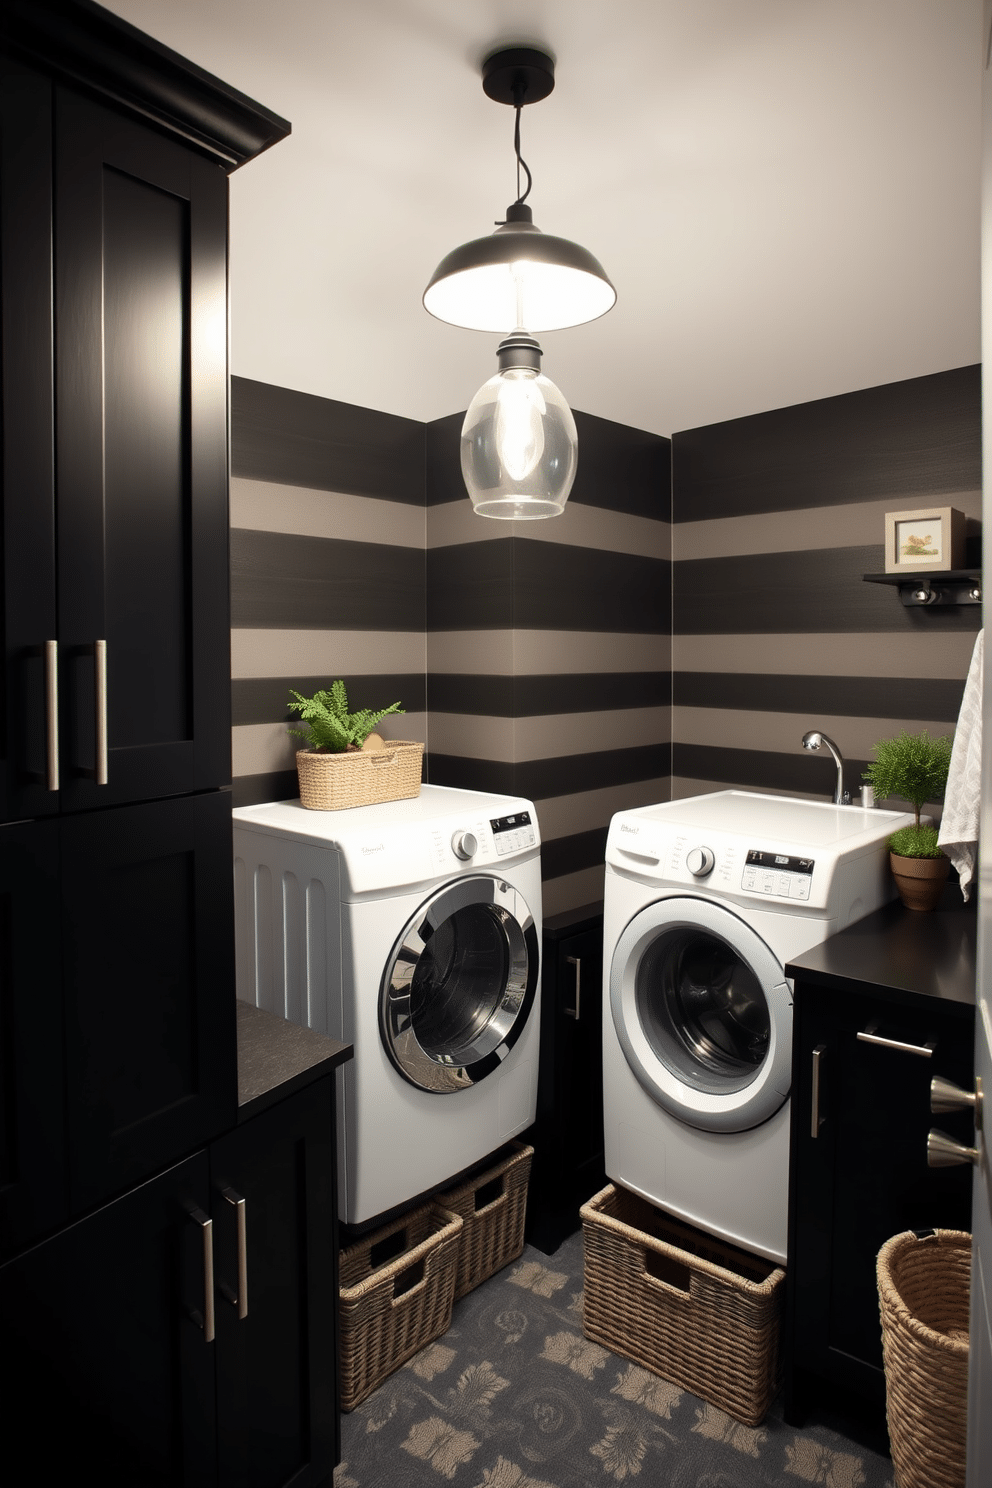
(748, 1104)
(459, 1071)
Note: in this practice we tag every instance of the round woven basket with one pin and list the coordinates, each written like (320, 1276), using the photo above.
(923, 1287)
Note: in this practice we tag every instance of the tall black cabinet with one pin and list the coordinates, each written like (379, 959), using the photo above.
(125, 1175)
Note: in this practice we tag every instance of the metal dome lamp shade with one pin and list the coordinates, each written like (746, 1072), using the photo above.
(519, 276)
(519, 448)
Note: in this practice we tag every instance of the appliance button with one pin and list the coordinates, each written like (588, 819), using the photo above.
(464, 845)
(784, 885)
(699, 861)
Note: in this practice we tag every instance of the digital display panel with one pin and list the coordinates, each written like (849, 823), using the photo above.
(780, 861)
(510, 823)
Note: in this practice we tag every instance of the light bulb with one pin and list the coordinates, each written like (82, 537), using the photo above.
(519, 447)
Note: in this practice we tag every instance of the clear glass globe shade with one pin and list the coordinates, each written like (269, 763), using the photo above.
(519, 447)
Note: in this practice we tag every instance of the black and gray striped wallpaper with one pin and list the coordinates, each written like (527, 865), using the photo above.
(776, 518)
(532, 657)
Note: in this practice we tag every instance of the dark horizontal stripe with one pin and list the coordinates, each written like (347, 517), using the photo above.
(282, 580)
(278, 434)
(533, 696)
(760, 769)
(821, 590)
(252, 790)
(620, 468)
(515, 581)
(936, 698)
(921, 437)
(563, 775)
(570, 854)
(265, 699)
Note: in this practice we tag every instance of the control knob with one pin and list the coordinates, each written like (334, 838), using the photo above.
(464, 845)
(699, 861)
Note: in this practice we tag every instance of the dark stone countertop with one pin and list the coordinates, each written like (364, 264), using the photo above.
(276, 1058)
(902, 953)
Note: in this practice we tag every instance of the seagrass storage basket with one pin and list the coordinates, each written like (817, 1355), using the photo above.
(395, 1294)
(333, 782)
(492, 1206)
(923, 1288)
(693, 1309)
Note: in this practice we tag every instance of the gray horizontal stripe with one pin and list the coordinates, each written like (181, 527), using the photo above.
(533, 585)
(328, 653)
(913, 654)
(875, 697)
(813, 527)
(278, 434)
(578, 526)
(570, 854)
(267, 506)
(265, 699)
(311, 583)
(809, 591)
(560, 816)
(573, 890)
(762, 769)
(546, 736)
(920, 437)
(553, 777)
(621, 469)
(528, 696)
(784, 731)
(542, 652)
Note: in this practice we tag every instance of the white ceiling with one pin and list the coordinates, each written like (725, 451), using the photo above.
(784, 192)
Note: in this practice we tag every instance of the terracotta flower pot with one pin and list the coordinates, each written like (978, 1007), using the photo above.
(920, 881)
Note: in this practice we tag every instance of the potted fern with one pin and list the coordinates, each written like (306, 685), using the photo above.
(345, 763)
(915, 767)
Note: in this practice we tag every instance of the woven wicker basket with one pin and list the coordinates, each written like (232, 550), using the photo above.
(333, 782)
(492, 1208)
(699, 1312)
(387, 1313)
(923, 1286)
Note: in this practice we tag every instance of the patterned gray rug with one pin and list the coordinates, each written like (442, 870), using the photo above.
(513, 1396)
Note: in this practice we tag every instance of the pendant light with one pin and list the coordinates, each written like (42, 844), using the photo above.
(519, 276)
(519, 447)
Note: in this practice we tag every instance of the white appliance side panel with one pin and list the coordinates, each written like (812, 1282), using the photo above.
(397, 1141)
(287, 930)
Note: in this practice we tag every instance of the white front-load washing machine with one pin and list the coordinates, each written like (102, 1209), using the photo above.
(411, 930)
(706, 901)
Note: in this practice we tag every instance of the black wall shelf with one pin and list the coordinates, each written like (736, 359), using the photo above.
(926, 590)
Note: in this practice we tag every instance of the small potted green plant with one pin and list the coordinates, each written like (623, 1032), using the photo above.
(915, 767)
(345, 763)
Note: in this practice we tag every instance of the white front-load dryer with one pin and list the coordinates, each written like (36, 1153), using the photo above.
(706, 900)
(412, 931)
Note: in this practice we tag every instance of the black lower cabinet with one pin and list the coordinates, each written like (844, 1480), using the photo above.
(568, 1133)
(108, 1324)
(859, 1174)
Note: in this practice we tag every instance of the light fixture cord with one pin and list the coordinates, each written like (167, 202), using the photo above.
(518, 93)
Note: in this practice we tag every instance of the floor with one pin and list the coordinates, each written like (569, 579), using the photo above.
(513, 1396)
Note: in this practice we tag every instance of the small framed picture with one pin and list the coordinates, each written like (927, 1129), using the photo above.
(931, 540)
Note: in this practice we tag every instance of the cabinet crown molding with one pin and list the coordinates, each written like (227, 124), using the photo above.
(83, 43)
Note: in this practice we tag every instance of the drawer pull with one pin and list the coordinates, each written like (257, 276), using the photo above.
(944, 1152)
(207, 1321)
(946, 1096)
(576, 1012)
(815, 1121)
(52, 715)
(100, 680)
(925, 1051)
(241, 1210)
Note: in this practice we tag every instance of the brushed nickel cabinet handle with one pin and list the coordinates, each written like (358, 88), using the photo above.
(946, 1096)
(576, 1012)
(944, 1152)
(52, 715)
(925, 1051)
(241, 1209)
(208, 1321)
(815, 1122)
(100, 681)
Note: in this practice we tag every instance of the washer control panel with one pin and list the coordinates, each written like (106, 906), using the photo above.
(512, 833)
(777, 874)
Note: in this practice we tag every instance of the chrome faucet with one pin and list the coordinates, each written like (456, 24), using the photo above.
(812, 742)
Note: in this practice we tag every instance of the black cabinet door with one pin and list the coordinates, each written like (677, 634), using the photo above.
(864, 1176)
(32, 1065)
(149, 980)
(109, 1372)
(141, 449)
(276, 1320)
(568, 1135)
(27, 552)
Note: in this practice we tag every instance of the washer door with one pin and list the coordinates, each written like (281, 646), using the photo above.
(703, 1014)
(459, 985)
